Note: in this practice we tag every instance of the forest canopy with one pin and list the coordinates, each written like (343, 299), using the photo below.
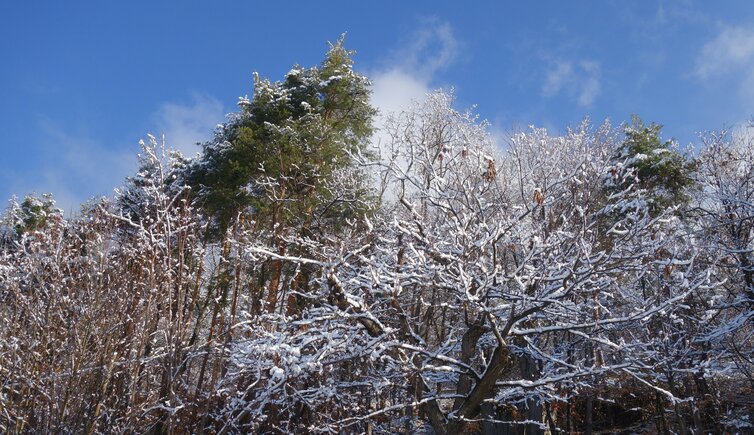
(297, 276)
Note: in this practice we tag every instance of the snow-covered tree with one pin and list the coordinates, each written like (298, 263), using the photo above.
(292, 280)
(488, 285)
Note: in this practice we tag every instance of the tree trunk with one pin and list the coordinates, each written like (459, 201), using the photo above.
(499, 364)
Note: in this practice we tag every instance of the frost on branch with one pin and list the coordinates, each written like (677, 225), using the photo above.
(538, 285)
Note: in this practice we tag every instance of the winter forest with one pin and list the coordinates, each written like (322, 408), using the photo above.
(308, 272)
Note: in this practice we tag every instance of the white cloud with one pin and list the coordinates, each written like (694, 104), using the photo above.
(557, 78)
(731, 49)
(590, 84)
(728, 58)
(413, 69)
(411, 74)
(433, 47)
(186, 124)
(577, 79)
(75, 169)
(395, 89)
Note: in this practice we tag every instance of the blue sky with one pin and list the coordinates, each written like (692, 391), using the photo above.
(82, 82)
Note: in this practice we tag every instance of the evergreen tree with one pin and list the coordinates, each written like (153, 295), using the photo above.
(33, 213)
(655, 166)
(277, 154)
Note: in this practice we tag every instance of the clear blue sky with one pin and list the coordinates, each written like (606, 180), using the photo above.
(82, 82)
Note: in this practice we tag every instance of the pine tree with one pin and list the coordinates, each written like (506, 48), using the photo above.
(275, 156)
(655, 166)
(33, 213)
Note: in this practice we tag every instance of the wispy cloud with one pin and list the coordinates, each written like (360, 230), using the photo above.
(184, 125)
(578, 79)
(732, 49)
(411, 74)
(412, 70)
(77, 166)
(730, 56)
(74, 168)
(433, 47)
